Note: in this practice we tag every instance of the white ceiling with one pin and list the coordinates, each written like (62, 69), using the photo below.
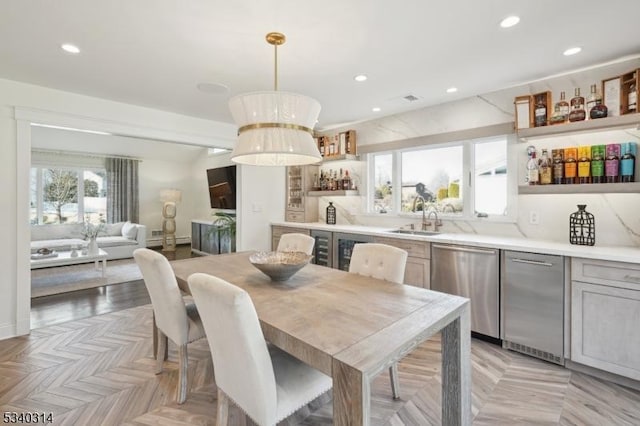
(155, 52)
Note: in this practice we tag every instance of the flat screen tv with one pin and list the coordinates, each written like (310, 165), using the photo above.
(222, 187)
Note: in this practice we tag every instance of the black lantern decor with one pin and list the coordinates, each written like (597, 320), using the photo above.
(331, 214)
(582, 227)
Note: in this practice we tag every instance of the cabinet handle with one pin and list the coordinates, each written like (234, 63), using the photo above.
(632, 278)
(465, 249)
(532, 262)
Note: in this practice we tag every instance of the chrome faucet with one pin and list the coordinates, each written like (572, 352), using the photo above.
(424, 206)
(437, 222)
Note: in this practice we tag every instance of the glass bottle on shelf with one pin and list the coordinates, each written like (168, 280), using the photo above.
(558, 166)
(628, 162)
(632, 97)
(577, 107)
(612, 163)
(540, 112)
(591, 99)
(584, 164)
(346, 181)
(597, 163)
(545, 168)
(598, 109)
(560, 110)
(533, 176)
(570, 165)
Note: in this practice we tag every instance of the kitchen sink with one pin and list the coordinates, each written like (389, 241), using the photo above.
(414, 232)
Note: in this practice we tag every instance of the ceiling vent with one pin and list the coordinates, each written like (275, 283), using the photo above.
(411, 98)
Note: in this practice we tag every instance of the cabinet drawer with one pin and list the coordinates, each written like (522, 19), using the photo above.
(420, 249)
(293, 216)
(615, 274)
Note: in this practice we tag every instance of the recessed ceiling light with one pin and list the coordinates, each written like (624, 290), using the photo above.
(70, 48)
(452, 90)
(376, 109)
(509, 21)
(213, 88)
(572, 51)
(360, 77)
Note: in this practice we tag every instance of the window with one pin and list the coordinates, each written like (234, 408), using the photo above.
(67, 195)
(460, 179)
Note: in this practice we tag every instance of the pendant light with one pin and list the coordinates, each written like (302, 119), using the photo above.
(275, 128)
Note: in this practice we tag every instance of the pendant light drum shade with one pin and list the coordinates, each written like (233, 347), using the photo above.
(275, 128)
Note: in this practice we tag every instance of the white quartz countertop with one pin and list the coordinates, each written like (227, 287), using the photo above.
(612, 253)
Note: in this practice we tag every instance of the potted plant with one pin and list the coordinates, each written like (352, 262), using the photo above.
(225, 224)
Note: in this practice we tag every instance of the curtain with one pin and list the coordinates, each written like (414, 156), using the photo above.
(122, 190)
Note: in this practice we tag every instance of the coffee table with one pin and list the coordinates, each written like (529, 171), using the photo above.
(64, 258)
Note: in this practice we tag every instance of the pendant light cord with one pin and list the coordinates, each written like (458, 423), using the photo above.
(275, 77)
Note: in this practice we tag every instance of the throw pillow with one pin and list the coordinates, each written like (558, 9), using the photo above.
(129, 230)
(113, 229)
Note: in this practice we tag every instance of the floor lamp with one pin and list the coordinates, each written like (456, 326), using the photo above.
(170, 197)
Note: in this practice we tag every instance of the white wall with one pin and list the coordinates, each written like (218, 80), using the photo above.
(34, 103)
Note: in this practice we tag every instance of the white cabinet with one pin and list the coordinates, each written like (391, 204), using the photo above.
(417, 271)
(605, 316)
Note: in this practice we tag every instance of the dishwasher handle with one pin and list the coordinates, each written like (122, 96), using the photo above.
(532, 262)
(464, 249)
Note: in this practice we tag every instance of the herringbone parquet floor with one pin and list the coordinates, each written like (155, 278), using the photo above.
(100, 370)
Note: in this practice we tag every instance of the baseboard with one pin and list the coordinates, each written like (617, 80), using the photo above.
(11, 330)
(605, 375)
(157, 242)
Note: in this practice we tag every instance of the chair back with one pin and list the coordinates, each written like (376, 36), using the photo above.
(296, 242)
(380, 261)
(241, 359)
(168, 306)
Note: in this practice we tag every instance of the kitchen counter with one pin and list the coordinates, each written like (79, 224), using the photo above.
(612, 253)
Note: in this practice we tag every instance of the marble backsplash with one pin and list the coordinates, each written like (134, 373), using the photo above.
(617, 222)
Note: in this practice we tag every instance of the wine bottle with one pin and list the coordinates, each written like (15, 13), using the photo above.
(533, 176)
(545, 168)
(628, 162)
(577, 107)
(558, 166)
(597, 163)
(612, 163)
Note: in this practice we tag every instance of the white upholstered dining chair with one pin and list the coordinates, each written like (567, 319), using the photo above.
(296, 242)
(175, 320)
(266, 383)
(387, 263)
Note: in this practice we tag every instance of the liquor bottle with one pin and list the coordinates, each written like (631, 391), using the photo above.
(321, 145)
(628, 162)
(570, 165)
(597, 108)
(540, 112)
(533, 176)
(560, 111)
(558, 166)
(632, 97)
(612, 163)
(584, 164)
(591, 99)
(346, 181)
(597, 163)
(545, 168)
(577, 107)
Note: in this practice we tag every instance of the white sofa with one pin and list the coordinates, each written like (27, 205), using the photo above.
(119, 240)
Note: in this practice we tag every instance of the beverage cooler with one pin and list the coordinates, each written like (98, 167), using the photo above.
(323, 248)
(343, 246)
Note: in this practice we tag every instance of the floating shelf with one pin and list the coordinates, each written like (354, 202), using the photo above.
(349, 192)
(600, 124)
(342, 157)
(589, 188)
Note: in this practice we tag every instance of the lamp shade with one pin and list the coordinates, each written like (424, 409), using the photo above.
(172, 195)
(275, 129)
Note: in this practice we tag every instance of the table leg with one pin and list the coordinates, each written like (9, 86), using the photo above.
(104, 268)
(351, 396)
(456, 371)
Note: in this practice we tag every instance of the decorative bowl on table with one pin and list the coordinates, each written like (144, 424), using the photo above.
(279, 266)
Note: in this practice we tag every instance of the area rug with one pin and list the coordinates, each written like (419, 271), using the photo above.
(63, 279)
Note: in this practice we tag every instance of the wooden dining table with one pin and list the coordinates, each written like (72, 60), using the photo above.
(352, 328)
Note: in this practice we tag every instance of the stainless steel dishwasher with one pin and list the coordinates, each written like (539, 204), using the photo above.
(471, 272)
(533, 293)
